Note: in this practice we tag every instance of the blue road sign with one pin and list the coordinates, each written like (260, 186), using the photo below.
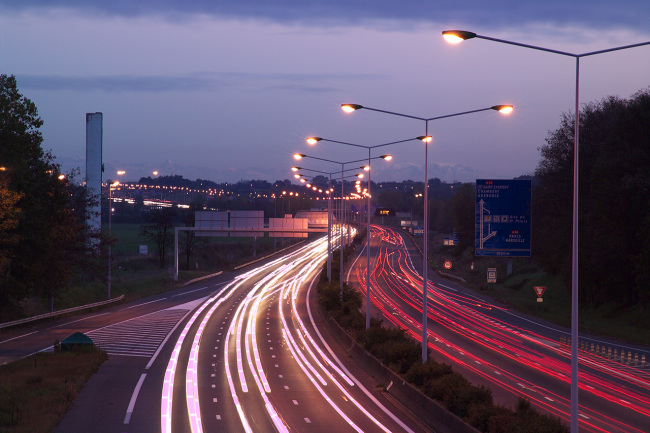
(503, 217)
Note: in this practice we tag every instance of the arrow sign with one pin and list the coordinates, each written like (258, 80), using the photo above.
(539, 290)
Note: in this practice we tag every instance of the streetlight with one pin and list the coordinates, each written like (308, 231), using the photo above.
(329, 214)
(299, 156)
(457, 36)
(314, 140)
(426, 138)
(110, 213)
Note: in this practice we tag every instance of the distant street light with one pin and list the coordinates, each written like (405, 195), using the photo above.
(457, 36)
(314, 140)
(426, 138)
(343, 170)
(110, 213)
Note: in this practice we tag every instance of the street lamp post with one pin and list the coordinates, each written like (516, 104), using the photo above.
(110, 213)
(456, 36)
(314, 140)
(426, 138)
(299, 156)
(329, 216)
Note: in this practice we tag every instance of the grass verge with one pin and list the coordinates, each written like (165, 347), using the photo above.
(35, 392)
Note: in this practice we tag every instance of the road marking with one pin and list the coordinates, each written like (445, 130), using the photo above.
(20, 336)
(295, 402)
(75, 321)
(140, 336)
(144, 303)
(307, 420)
(191, 291)
(214, 400)
(218, 417)
(134, 397)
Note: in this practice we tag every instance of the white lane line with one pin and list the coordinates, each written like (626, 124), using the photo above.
(75, 321)
(347, 372)
(134, 397)
(20, 336)
(191, 291)
(144, 303)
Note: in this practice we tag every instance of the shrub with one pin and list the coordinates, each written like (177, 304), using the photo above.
(419, 373)
(392, 346)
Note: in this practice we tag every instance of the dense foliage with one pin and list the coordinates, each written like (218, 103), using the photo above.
(614, 201)
(44, 241)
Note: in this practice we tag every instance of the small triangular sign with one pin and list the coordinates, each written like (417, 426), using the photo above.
(539, 290)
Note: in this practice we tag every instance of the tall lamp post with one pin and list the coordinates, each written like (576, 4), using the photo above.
(299, 156)
(314, 140)
(329, 216)
(426, 138)
(456, 36)
(366, 168)
(110, 213)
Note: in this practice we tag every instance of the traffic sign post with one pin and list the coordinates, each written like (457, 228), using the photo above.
(503, 216)
(492, 275)
(540, 291)
(447, 264)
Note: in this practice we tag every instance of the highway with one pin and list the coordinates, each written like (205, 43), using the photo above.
(516, 356)
(256, 362)
(242, 352)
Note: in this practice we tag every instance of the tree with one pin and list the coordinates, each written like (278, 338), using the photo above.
(463, 213)
(9, 212)
(614, 204)
(48, 239)
(160, 231)
(189, 236)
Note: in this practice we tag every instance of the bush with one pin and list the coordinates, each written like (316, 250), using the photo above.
(392, 346)
(440, 388)
(460, 400)
(419, 373)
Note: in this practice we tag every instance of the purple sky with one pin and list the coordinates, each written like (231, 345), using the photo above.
(229, 90)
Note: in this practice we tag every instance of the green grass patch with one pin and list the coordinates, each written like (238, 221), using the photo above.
(35, 392)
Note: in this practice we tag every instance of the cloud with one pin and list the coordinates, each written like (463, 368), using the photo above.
(197, 82)
(498, 13)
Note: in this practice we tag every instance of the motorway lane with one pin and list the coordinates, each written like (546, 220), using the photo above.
(475, 337)
(134, 334)
(24, 341)
(249, 369)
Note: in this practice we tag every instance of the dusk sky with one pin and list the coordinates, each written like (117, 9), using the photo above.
(229, 89)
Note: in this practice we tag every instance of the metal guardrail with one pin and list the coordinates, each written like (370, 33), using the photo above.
(59, 313)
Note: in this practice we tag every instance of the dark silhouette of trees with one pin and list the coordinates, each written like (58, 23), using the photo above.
(160, 230)
(614, 201)
(44, 238)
